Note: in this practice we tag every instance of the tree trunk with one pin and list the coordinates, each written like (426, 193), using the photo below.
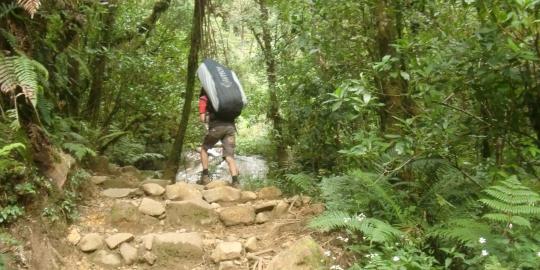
(392, 88)
(99, 66)
(271, 73)
(193, 61)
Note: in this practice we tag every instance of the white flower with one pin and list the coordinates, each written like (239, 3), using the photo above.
(485, 252)
(482, 240)
(360, 217)
(336, 267)
(344, 239)
(538, 254)
(395, 258)
(372, 255)
(510, 226)
(327, 253)
(347, 219)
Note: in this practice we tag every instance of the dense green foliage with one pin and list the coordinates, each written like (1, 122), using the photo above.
(416, 122)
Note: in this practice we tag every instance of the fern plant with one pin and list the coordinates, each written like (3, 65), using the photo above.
(301, 183)
(31, 6)
(21, 71)
(511, 202)
(373, 229)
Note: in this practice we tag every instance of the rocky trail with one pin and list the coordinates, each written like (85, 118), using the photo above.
(130, 223)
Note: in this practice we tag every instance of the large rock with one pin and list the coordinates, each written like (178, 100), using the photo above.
(269, 193)
(152, 189)
(124, 212)
(281, 208)
(59, 170)
(216, 184)
(97, 180)
(91, 242)
(192, 212)
(74, 237)
(148, 241)
(228, 265)
(248, 196)
(252, 244)
(108, 259)
(149, 258)
(265, 206)
(222, 194)
(129, 253)
(151, 207)
(182, 191)
(237, 215)
(118, 193)
(178, 244)
(161, 182)
(116, 239)
(262, 217)
(225, 251)
(304, 254)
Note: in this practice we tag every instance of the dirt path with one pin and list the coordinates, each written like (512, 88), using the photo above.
(186, 226)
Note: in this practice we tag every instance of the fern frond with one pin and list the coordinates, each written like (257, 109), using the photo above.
(463, 230)
(304, 182)
(5, 150)
(6, 9)
(79, 150)
(374, 229)
(511, 202)
(20, 71)
(31, 6)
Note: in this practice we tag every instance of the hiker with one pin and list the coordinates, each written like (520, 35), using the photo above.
(221, 102)
(218, 130)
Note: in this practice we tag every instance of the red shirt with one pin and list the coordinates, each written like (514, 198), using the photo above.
(203, 102)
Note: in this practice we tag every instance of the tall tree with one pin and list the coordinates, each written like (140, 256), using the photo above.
(193, 61)
(392, 87)
(264, 40)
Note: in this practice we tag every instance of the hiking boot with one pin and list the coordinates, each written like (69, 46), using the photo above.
(205, 179)
(235, 183)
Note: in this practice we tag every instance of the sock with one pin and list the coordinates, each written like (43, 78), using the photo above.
(205, 171)
(235, 178)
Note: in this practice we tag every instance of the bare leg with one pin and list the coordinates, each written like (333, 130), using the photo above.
(232, 166)
(204, 158)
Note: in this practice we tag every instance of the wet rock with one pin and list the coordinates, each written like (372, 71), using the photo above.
(237, 215)
(252, 244)
(182, 191)
(182, 243)
(152, 189)
(74, 237)
(227, 251)
(116, 239)
(216, 184)
(248, 196)
(151, 207)
(269, 193)
(119, 192)
(108, 259)
(304, 254)
(192, 212)
(262, 217)
(91, 242)
(129, 253)
(97, 180)
(222, 194)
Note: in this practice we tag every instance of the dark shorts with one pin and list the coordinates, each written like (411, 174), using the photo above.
(225, 134)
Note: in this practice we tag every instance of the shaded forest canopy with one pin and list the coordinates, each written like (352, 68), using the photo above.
(423, 116)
